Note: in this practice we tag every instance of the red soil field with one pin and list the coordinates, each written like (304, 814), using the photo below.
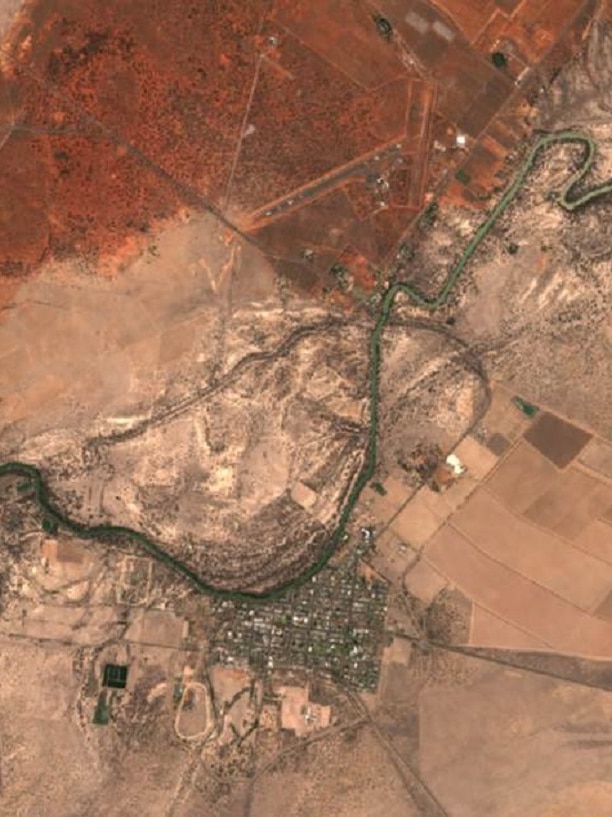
(115, 116)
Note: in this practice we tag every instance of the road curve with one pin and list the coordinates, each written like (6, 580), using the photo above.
(109, 532)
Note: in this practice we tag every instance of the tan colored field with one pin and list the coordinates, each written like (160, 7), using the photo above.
(598, 457)
(596, 539)
(547, 560)
(518, 599)
(528, 542)
(524, 474)
(489, 630)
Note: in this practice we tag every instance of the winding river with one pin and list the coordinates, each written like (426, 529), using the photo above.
(54, 514)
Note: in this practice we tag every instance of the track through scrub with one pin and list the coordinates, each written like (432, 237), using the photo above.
(110, 532)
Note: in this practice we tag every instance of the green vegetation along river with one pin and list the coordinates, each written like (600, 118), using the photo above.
(56, 517)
